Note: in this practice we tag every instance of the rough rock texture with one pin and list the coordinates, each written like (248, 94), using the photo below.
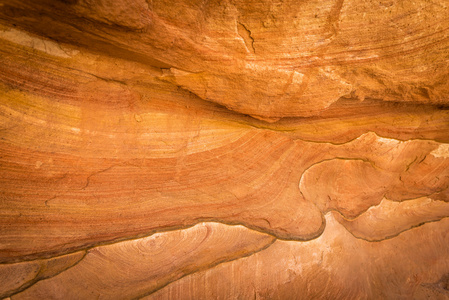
(224, 149)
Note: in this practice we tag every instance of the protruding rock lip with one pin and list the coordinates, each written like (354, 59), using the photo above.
(269, 82)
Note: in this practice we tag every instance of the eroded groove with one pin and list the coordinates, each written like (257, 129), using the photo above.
(245, 33)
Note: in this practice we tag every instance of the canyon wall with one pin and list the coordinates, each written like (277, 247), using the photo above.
(224, 149)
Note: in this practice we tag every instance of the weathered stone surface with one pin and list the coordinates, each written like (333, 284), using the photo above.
(336, 265)
(19, 276)
(135, 268)
(320, 128)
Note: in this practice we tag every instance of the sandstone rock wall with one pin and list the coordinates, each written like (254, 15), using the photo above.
(224, 149)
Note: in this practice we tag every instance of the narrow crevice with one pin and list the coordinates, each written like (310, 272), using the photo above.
(245, 33)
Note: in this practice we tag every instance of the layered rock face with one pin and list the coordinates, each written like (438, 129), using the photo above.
(224, 149)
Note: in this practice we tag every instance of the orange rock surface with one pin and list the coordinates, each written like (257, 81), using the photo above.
(224, 149)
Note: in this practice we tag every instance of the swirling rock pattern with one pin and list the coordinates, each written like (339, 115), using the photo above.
(19, 276)
(138, 267)
(224, 149)
(336, 265)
